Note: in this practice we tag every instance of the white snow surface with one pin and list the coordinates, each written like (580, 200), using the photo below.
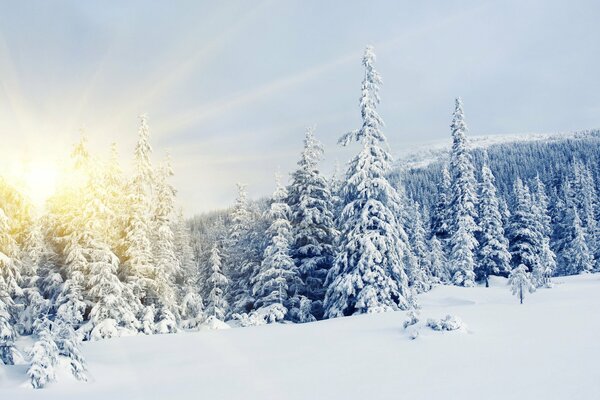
(547, 348)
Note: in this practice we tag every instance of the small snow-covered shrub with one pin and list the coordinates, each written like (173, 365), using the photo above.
(251, 319)
(412, 319)
(192, 308)
(192, 323)
(272, 313)
(452, 323)
(213, 324)
(448, 323)
(166, 323)
(305, 310)
(148, 326)
(109, 329)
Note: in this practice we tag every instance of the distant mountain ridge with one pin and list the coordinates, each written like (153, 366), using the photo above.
(510, 156)
(426, 153)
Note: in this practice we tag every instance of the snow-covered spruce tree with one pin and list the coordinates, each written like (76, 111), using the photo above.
(167, 266)
(463, 203)
(70, 305)
(142, 154)
(524, 231)
(584, 198)
(313, 227)
(69, 316)
(148, 316)
(9, 263)
(192, 307)
(235, 246)
(438, 261)
(35, 259)
(110, 310)
(113, 307)
(441, 219)
(419, 277)
(576, 254)
(115, 200)
(494, 258)
(520, 282)
(277, 275)
(504, 211)
(335, 188)
(44, 357)
(188, 276)
(217, 305)
(7, 332)
(368, 272)
(242, 253)
(138, 268)
(547, 255)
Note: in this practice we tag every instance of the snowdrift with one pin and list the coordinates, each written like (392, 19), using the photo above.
(547, 348)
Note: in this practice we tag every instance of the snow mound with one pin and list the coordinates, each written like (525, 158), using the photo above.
(213, 324)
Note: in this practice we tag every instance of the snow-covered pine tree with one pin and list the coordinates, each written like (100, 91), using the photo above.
(44, 357)
(188, 276)
(577, 257)
(504, 211)
(368, 272)
(113, 304)
(419, 277)
(585, 200)
(149, 315)
(110, 310)
(277, 275)
(217, 306)
(524, 231)
(142, 153)
(192, 307)
(335, 188)
(494, 258)
(166, 268)
(9, 263)
(235, 247)
(547, 255)
(138, 267)
(463, 203)
(115, 200)
(520, 282)
(241, 254)
(438, 261)
(313, 227)
(68, 344)
(7, 332)
(35, 257)
(441, 219)
(69, 304)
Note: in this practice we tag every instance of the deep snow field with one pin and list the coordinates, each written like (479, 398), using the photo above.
(547, 348)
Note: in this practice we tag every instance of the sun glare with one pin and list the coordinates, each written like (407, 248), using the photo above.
(40, 182)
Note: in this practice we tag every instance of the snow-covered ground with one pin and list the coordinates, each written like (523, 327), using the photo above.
(547, 348)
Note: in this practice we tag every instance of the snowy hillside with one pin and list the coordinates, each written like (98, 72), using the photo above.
(545, 349)
(422, 155)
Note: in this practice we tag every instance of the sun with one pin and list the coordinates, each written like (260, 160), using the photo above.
(40, 181)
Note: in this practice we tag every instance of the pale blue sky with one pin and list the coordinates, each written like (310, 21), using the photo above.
(229, 86)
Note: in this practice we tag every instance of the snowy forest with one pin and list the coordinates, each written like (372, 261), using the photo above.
(112, 254)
